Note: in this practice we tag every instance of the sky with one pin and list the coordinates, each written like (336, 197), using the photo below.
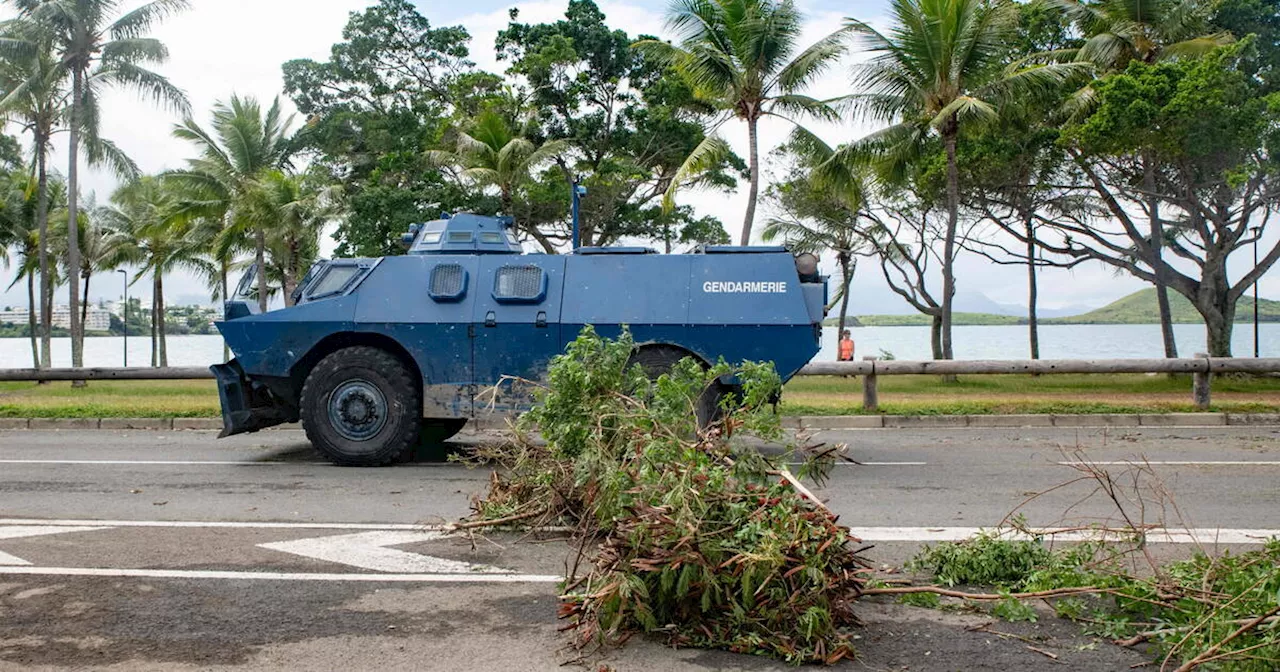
(223, 46)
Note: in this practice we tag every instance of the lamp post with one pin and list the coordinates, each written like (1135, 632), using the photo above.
(125, 277)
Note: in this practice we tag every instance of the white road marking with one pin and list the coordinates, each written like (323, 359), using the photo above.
(368, 550)
(1230, 463)
(227, 524)
(881, 464)
(1159, 536)
(280, 576)
(18, 532)
(186, 463)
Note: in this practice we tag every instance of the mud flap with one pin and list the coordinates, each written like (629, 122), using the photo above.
(246, 406)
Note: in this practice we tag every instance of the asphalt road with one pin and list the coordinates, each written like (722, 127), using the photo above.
(175, 550)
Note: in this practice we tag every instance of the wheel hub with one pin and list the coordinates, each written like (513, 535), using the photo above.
(357, 410)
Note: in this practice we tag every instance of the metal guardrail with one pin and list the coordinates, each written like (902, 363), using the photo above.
(870, 368)
(1201, 367)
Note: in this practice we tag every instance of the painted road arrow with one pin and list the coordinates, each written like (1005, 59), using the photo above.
(369, 550)
(19, 531)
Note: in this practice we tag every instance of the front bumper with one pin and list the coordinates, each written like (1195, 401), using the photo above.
(247, 406)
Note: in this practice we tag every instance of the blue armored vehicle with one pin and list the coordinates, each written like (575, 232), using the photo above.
(376, 351)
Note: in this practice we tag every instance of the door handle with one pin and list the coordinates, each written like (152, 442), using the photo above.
(490, 319)
(541, 321)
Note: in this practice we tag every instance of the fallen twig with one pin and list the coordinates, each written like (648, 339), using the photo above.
(1049, 654)
(946, 592)
(473, 524)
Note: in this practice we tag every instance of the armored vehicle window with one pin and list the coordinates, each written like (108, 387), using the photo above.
(335, 279)
(459, 236)
(490, 237)
(431, 237)
(448, 282)
(519, 284)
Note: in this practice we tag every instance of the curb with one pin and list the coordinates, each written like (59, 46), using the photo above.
(813, 422)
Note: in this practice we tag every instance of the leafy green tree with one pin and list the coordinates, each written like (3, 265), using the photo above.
(815, 211)
(630, 119)
(1214, 134)
(151, 232)
(1260, 19)
(99, 51)
(936, 69)
(390, 89)
(241, 146)
(1119, 32)
(740, 55)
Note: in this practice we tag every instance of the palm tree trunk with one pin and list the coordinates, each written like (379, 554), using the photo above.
(1157, 253)
(846, 277)
(164, 350)
(31, 318)
(73, 224)
(42, 221)
(1033, 327)
(226, 350)
(154, 350)
(262, 269)
(753, 144)
(949, 243)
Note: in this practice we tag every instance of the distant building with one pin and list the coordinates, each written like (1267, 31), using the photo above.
(96, 319)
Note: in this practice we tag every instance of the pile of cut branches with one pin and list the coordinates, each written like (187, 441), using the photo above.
(1219, 611)
(682, 531)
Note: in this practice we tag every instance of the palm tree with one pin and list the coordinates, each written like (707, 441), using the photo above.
(36, 101)
(95, 249)
(99, 53)
(738, 54)
(494, 153)
(938, 67)
(299, 206)
(151, 233)
(242, 146)
(18, 229)
(821, 208)
(1119, 31)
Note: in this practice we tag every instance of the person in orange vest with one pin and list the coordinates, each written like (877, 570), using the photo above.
(846, 346)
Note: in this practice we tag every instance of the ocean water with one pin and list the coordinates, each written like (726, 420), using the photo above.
(1057, 341)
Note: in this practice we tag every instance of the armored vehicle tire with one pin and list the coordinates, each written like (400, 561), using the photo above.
(361, 407)
(659, 359)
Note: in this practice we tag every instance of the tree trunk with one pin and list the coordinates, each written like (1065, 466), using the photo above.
(1157, 253)
(949, 243)
(46, 283)
(753, 150)
(226, 350)
(846, 278)
(262, 269)
(154, 351)
(935, 337)
(31, 318)
(160, 324)
(73, 224)
(1033, 328)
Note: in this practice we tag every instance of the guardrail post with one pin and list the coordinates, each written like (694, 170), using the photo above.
(870, 396)
(1200, 384)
